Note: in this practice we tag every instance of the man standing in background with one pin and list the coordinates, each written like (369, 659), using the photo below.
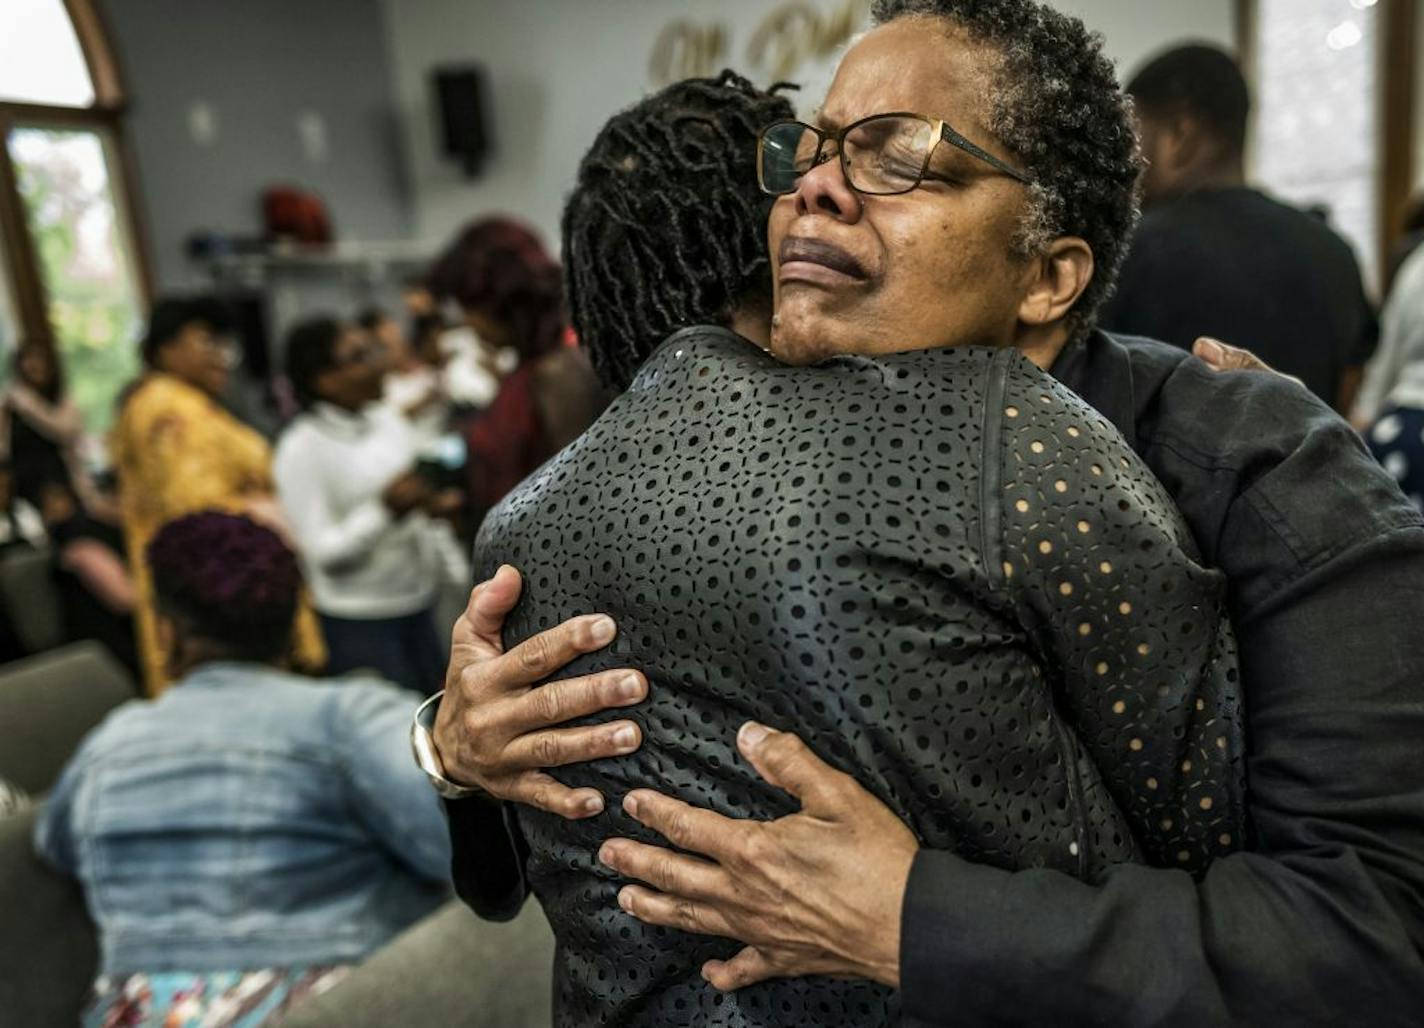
(1215, 257)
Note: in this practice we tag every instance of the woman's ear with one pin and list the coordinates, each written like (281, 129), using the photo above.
(1059, 276)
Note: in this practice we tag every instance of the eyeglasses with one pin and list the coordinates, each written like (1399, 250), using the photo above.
(882, 155)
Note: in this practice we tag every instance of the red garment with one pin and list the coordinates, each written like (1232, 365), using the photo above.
(507, 442)
(294, 213)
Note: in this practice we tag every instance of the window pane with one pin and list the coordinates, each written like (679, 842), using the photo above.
(40, 58)
(1317, 117)
(94, 305)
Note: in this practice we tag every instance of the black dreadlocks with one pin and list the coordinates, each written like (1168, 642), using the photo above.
(1059, 111)
(665, 226)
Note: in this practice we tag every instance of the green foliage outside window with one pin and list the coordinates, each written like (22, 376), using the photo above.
(94, 310)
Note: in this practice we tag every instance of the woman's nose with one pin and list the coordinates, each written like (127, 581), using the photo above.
(824, 190)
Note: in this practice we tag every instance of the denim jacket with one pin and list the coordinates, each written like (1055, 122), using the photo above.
(249, 819)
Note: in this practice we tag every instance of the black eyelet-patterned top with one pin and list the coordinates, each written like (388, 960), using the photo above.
(942, 569)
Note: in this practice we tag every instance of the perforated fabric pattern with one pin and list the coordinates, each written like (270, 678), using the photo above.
(828, 550)
(1103, 573)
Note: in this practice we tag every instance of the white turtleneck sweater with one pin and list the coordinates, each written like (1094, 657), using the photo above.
(361, 561)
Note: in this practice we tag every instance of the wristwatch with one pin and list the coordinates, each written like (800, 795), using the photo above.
(422, 745)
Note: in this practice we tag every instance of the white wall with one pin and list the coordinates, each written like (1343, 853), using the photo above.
(260, 69)
(1138, 29)
(558, 68)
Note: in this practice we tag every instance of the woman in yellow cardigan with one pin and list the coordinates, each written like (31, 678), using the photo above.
(178, 451)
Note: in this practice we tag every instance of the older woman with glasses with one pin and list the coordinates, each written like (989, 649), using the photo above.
(178, 451)
(945, 571)
(1319, 918)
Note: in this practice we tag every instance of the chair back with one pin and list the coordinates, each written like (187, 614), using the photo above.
(31, 599)
(49, 952)
(451, 969)
(49, 703)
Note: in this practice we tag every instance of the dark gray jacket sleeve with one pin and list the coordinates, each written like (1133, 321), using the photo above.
(487, 857)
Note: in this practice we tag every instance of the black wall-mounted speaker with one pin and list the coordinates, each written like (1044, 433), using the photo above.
(464, 122)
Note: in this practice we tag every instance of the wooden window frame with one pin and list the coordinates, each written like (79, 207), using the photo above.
(1397, 113)
(105, 116)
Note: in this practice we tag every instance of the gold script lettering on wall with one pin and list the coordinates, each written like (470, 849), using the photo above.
(797, 31)
(685, 49)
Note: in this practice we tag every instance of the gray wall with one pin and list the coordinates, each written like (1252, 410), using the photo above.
(259, 67)
(559, 68)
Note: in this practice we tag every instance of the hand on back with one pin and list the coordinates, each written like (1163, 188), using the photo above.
(499, 723)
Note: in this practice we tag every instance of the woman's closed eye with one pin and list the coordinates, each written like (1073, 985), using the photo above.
(945, 177)
(894, 165)
(952, 169)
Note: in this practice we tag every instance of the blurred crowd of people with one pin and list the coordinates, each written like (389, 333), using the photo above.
(400, 429)
(226, 570)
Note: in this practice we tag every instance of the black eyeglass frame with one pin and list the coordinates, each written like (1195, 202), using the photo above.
(941, 132)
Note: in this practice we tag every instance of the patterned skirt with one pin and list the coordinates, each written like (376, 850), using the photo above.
(218, 999)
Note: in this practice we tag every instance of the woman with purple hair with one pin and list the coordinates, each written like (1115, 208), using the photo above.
(249, 834)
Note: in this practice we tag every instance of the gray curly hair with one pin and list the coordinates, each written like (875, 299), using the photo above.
(1059, 110)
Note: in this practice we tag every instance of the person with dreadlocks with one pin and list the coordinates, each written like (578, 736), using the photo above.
(779, 490)
(250, 833)
(662, 230)
(1317, 921)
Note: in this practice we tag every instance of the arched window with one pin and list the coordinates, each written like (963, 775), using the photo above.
(73, 273)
